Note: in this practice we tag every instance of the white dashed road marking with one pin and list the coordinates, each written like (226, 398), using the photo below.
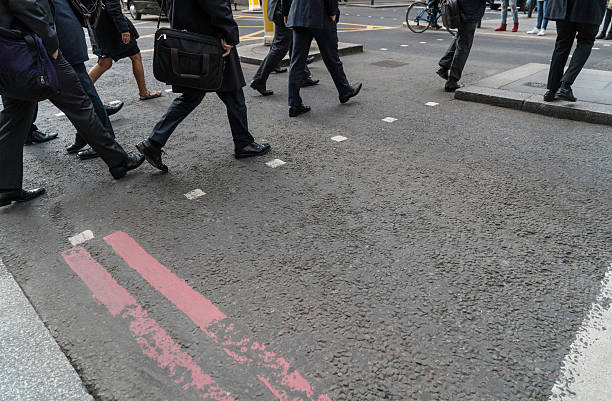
(422, 43)
(82, 237)
(196, 193)
(431, 104)
(585, 374)
(404, 45)
(384, 49)
(275, 163)
(389, 119)
(339, 138)
(114, 102)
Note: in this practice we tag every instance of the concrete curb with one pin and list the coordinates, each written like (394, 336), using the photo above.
(580, 111)
(32, 365)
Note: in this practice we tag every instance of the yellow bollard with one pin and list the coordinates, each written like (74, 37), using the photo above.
(268, 25)
(254, 5)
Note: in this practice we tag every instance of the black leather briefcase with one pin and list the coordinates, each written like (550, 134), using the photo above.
(188, 59)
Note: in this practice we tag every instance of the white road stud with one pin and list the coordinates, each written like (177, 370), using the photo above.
(168, 90)
(275, 163)
(404, 45)
(389, 119)
(384, 49)
(422, 43)
(82, 237)
(585, 373)
(339, 138)
(196, 193)
(114, 102)
(431, 104)
(596, 48)
(60, 115)
(440, 39)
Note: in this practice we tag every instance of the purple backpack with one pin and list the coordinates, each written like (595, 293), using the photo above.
(26, 70)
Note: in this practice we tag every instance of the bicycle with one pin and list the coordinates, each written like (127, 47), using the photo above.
(421, 16)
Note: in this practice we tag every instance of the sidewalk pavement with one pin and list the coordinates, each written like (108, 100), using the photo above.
(32, 366)
(523, 88)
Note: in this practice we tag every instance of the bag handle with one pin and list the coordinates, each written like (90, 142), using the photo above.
(174, 56)
(161, 10)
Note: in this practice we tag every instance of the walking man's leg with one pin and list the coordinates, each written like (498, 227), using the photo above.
(78, 108)
(585, 41)
(463, 46)
(302, 38)
(566, 31)
(15, 122)
(180, 108)
(447, 60)
(244, 143)
(327, 40)
(280, 46)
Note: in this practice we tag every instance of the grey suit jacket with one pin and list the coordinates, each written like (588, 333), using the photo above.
(32, 15)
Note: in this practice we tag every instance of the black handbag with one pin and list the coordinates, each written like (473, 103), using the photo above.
(188, 59)
(451, 14)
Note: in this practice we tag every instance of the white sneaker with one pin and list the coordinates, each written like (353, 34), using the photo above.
(542, 32)
(533, 31)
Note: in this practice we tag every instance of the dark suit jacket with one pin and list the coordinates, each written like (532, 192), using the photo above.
(70, 33)
(32, 15)
(472, 10)
(214, 18)
(314, 14)
(579, 11)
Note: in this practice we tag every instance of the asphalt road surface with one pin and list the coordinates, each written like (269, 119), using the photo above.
(451, 254)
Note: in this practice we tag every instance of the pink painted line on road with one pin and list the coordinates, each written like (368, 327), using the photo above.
(153, 340)
(273, 371)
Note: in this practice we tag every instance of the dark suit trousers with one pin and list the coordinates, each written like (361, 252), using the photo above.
(327, 40)
(91, 92)
(18, 115)
(183, 105)
(457, 54)
(282, 43)
(566, 33)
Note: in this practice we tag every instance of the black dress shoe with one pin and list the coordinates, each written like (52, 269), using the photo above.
(442, 73)
(566, 94)
(133, 161)
(87, 154)
(20, 195)
(452, 86)
(79, 143)
(279, 70)
(113, 108)
(309, 82)
(261, 88)
(354, 91)
(297, 110)
(39, 137)
(550, 95)
(153, 154)
(310, 59)
(253, 149)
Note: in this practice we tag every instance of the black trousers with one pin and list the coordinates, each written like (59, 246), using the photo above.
(457, 54)
(566, 33)
(281, 45)
(18, 115)
(183, 105)
(91, 92)
(327, 40)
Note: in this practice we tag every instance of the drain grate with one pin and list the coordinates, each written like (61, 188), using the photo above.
(389, 63)
(535, 84)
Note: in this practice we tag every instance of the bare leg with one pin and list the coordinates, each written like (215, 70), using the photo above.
(138, 71)
(103, 65)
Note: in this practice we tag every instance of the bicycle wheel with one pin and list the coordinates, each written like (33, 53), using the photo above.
(418, 17)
